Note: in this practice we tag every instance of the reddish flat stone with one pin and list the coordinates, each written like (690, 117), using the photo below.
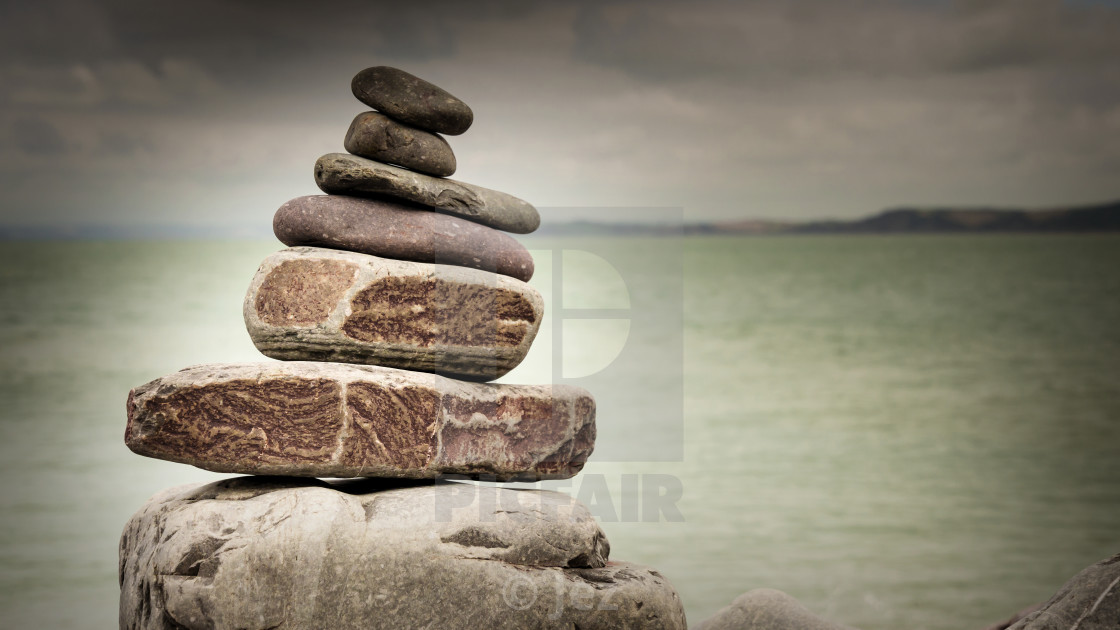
(311, 419)
(392, 230)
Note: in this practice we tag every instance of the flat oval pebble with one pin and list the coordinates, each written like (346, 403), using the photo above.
(392, 230)
(344, 174)
(411, 100)
(381, 138)
(310, 304)
(307, 419)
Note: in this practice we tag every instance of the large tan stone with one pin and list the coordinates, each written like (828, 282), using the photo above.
(259, 553)
(311, 304)
(334, 420)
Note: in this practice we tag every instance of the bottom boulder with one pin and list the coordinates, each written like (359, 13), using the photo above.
(766, 609)
(271, 552)
(1090, 600)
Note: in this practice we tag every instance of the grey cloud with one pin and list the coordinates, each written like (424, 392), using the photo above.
(116, 84)
(127, 54)
(731, 109)
(55, 31)
(123, 143)
(36, 137)
(239, 40)
(816, 39)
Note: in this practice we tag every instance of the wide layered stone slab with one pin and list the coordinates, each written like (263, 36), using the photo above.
(392, 230)
(313, 304)
(411, 100)
(343, 174)
(381, 138)
(334, 420)
(259, 553)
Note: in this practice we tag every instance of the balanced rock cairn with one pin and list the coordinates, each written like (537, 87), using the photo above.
(398, 299)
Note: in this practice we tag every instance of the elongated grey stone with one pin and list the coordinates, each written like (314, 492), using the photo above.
(392, 230)
(411, 100)
(381, 138)
(342, 174)
(313, 304)
(309, 419)
(264, 552)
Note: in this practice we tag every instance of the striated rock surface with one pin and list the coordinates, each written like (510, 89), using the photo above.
(384, 228)
(381, 138)
(343, 174)
(1090, 600)
(260, 553)
(333, 420)
(766, 609)
(310, 304)
(411, 100)
(1007, 623)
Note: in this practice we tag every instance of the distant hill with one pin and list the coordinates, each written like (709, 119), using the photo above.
(1103, 217)
(1096, 218)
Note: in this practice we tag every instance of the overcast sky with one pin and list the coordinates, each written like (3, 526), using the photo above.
(209, 113)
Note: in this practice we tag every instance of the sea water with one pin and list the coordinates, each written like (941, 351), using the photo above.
(902, 431)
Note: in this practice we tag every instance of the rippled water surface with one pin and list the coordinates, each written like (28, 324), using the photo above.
(917, 432)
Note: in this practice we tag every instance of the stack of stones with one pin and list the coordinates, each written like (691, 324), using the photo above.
(399, 297)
